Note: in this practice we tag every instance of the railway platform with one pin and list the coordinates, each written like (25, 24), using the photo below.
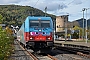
(73, 42)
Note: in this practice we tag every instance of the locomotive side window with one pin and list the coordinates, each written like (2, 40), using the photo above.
(45, 24)
(34, 23)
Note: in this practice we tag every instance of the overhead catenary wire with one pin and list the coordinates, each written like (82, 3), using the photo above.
(62, 6)
(34, 7)
(36, 3)
(67, 4)
(70, 2)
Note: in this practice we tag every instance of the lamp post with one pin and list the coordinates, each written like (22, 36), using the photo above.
(86, 23)
(83, 23)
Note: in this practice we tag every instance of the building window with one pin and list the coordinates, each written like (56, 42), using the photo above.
(57, 26)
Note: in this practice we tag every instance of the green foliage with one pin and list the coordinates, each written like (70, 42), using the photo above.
(6, 44)
(1, 18)
(16, 14)
(89, 32)
(76, 34)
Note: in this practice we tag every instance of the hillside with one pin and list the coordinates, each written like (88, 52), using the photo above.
(16, 14)
(80, 22)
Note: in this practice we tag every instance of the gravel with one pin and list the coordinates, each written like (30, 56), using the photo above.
(19, 54)
(63, 55)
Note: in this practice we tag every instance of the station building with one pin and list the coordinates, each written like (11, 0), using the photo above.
(62, 24)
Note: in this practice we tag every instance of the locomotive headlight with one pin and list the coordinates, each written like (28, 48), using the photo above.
(49, 38)
(31, 38)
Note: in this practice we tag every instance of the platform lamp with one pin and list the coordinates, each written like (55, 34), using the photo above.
(83, 23)
(86, 23)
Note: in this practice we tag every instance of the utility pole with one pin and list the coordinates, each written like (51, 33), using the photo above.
(45, 11)
(66, 20)
(83, 23)
(86, 23)
(79, 34)
(54, 29)
(32, 13)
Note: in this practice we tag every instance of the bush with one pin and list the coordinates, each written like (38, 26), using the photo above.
(6, 44)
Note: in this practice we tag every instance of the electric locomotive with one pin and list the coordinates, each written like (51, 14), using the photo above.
(36, 33)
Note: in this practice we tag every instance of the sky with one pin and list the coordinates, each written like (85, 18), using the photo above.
(73, 8)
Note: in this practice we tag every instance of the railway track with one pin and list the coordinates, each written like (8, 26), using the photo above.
(45, 56)
(81, 51)
(57, 53)
(21, 53)
(35, 57)
(64, 55)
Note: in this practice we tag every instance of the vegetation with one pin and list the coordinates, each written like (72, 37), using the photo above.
(79, 23)
(16, 14)
(6, 41)
(6, 44)
(88, 32)
(77, 32)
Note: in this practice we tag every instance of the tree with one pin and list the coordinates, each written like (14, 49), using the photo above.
(77, 31)
(89, 32)
(1, 18)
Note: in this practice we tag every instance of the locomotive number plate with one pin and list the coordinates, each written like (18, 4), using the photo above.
(40, 38)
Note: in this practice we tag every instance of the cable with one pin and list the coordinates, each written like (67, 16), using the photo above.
(36, 3)
(70, 2)
(34, 6)
(76, 5)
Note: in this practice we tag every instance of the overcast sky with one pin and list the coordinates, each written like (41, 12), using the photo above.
(72, 8)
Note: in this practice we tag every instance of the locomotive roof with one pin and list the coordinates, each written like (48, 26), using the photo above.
(39, 18)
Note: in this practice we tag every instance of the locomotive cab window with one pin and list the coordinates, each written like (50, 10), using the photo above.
(40, 23)
(45, 24)
(34, 23)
